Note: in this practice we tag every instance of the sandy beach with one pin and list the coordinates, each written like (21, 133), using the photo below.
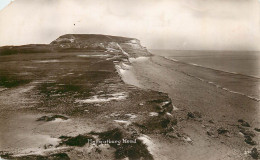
(211, 93)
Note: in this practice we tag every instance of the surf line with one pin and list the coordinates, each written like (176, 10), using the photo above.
(209, 82)
(197, 65)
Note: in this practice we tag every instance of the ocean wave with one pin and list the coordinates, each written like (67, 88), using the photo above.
(213, 83)
(198, 65)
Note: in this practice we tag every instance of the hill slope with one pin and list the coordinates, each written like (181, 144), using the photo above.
(84, 42)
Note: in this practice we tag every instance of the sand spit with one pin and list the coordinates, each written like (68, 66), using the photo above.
(126, 73)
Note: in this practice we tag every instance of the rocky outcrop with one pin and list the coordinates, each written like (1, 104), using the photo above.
(129, 46)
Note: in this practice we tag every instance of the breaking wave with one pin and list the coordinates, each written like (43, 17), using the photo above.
(213, 83)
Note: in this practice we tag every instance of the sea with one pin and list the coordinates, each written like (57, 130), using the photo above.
(237, 62)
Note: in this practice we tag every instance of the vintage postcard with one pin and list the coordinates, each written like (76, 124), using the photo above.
(129, 79)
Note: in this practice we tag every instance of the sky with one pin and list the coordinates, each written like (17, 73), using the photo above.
(4, 3)
(159, 24)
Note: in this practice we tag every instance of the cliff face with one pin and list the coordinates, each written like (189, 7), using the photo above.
(83, 43)
(129, 46)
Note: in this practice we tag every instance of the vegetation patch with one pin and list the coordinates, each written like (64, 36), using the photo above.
(133, 151)
(25, 49)
(157, 124)
(79, 140)
(194, 115)
(249, 140)
(162, 105)
(10, 81)
(222, 130)
(57, 156)
(257, 129)
(255, 154)
(243, 123)
(49, 89)
(247, 132)
(4, 51)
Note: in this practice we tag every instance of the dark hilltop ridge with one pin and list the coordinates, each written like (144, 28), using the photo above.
(83, 43)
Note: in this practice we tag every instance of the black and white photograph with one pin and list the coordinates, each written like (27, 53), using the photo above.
(129, 79)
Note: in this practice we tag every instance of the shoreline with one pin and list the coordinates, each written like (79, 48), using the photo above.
(190, 95)
(197, 65)
(215, 84)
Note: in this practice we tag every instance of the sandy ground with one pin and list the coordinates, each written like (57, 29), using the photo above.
(190, 91)
(48, 98)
